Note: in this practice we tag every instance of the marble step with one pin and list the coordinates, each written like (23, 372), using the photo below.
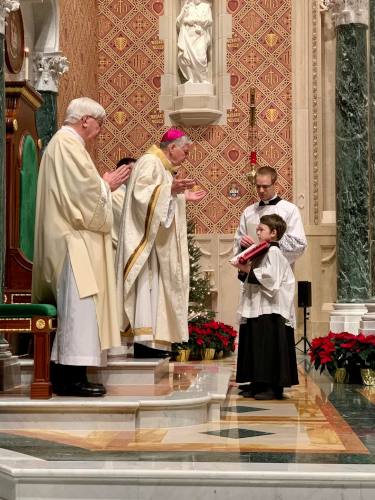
(199, 404)
(117, 372)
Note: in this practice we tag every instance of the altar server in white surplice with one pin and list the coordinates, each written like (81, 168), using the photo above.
(293, 244)
(152, 260)
(73, 257)
(118, 199)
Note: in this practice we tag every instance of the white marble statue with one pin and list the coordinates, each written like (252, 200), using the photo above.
(194, 24)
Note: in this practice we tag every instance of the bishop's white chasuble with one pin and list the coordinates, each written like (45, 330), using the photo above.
(73, 256)
(152, 260)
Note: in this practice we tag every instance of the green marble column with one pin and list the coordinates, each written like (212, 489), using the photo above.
(46, 117)
(2, 178)
(352, 172)
(372, 143)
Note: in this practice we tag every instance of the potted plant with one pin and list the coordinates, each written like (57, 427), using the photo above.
(223, 337)
(343, 354)
(183, 350)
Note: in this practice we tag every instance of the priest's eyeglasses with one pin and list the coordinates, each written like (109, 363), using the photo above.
(99, 122)
(258, 186)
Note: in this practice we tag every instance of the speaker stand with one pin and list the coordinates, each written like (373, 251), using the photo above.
(304, 339)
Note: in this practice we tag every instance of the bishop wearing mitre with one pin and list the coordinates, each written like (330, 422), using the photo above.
(73, 258)
(152, 260)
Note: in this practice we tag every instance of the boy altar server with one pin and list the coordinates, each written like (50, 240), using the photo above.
(293, 244)
(73, 258)
(267, 355)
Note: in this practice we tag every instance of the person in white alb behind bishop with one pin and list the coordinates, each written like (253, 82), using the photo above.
(292, 245)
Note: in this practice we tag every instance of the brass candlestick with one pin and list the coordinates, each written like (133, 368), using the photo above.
(249, 176)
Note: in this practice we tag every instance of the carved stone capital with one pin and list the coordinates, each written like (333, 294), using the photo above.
(349, 11)
(6, 6)
(48, 69)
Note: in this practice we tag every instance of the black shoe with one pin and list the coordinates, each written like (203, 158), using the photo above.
(95, 386)
(243, 387)
(81, 389)
(144, 352)
(267, 395)
(247, 394)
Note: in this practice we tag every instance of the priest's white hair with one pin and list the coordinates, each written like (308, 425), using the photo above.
(180, 142)
(84, 106)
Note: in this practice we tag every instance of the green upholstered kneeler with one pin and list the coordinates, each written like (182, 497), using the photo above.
(41, 320)
(26, 310)
(28, 188)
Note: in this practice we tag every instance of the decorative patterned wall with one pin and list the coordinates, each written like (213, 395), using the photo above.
(259, 54)
(79, 43)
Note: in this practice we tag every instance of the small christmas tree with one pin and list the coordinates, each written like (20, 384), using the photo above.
(199, 295)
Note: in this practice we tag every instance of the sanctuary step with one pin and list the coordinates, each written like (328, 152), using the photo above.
(192, 394)
(117, 372)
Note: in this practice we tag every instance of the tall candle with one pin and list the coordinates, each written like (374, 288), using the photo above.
(27, 53)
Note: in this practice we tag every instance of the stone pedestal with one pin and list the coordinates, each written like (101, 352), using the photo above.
(367, 323)
(347, 318)
(10, 368)
(195, 104)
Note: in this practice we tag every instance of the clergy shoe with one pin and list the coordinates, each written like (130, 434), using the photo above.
(82, 389)
(247, 394)
(243, 387)
(267, 395)
(95, 386)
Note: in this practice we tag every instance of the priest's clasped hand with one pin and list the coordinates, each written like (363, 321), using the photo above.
(180, 185)
(118, 177)
(247, 241)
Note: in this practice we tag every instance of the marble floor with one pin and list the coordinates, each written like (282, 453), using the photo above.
(317, 422)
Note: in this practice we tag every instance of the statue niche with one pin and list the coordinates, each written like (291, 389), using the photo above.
(194, 40)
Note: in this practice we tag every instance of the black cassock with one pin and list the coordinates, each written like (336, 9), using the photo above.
(266, 352)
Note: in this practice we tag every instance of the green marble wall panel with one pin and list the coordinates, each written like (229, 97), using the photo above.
(2, 168)
(46, 118)
(372, 143)
(352, 172)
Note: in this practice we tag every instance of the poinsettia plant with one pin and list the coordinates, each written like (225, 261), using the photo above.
(343, 350)
(213, 335)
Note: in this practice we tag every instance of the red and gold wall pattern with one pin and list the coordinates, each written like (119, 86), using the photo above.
(131, 62)
(79, 44)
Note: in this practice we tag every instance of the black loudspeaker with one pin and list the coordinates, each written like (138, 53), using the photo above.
(304, 294)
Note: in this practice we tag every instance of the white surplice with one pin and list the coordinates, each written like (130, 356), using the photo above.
(274, 294)
(293, 244)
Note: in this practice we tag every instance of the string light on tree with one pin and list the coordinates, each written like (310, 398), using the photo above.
(199, 310)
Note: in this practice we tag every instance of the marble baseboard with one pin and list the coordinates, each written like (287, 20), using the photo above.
(181, 408)
(126, 372)
(347, 318)
(10, 373)
(22, 480)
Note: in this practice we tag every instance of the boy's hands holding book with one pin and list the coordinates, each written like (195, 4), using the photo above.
(245, 268)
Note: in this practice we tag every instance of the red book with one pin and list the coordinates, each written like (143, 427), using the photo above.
(253, 252)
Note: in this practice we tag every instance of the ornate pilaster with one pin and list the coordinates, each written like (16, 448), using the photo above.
(48, 69)
(6, 6)
(352, 170)
(348, 11)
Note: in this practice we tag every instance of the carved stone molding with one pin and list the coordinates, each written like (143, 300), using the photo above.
(6, 6)
(349, 11)
(48, 69)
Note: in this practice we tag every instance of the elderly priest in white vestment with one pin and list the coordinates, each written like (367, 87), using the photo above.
(152, 260)
(73, 257)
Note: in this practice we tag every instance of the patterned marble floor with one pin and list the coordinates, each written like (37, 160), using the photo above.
(317, 422)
